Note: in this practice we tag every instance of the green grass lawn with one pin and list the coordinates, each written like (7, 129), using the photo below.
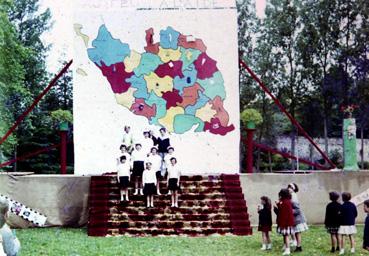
(57, 241)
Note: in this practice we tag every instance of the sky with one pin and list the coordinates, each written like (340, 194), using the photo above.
(61, 35)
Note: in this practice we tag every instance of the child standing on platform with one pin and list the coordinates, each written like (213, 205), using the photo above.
(173, 181)
(147, 143)
(156, 162)
(285, 220)
(265, 221)
(347, 227)
(138, 158)
(163, 142)
(366, 228)
(332, 219)
(149, 181)
(123, 174)
(127, 139)
(124, 152)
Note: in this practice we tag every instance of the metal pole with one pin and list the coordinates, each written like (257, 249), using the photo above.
(63, 152)
(250, 150)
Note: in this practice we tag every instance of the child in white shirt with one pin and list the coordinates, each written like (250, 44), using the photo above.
(147, 143)
(123, 174)
(138, 158)
(123, 152)
(149, 181)
(156, 161)
(173, 180)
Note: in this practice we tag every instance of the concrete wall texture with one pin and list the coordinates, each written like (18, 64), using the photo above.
(313, 194)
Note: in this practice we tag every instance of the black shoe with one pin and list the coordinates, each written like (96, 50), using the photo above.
(333, 249)
(337, 249)
(298, 249)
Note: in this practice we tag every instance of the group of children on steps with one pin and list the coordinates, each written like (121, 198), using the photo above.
(147, 160)
(291, 222)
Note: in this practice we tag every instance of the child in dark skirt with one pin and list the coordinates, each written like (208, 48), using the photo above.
(149, 181)
(285, 220)
(332, 219)
(138, 158)
(265, 221)
(173, 181)
(123, 174)
(366, 228)
(347, 225)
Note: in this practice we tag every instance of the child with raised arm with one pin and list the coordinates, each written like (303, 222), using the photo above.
(265, 221)
(123, 152)
(149, 181)
(127, 139)
(285, 220)
(147, 143)
(123, 174)
(173, 181)
(138, 158)
(9, 243)
(332, 219)
(347, 227)
(156, 162)
(366, 228)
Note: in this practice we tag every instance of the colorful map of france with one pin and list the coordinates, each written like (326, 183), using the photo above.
(174, 83)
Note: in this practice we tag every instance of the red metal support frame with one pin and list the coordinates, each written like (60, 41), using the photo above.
(292, 119)
(35, 102)
(250, 150)
(63, 152)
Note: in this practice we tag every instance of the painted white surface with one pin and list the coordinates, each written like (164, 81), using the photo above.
(99, 120)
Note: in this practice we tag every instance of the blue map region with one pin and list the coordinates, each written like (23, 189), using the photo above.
(188, 56)
(189, 79)
(148, 63)
(161, 107)
(169, 38)
(183, 123)
(201, 101)
(107, 49)
(140, 84)
(213, 86)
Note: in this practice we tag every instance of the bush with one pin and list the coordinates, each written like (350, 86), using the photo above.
(251, 115)
(62, 116)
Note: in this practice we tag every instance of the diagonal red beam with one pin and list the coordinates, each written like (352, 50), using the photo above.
(287, 155)
(35, 102)
(292, 119)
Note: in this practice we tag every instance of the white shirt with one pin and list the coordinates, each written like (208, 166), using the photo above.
(127, 155)
(167, 159)
(173, 172)
(147, 144)
(138, 155)
(127, 139)
(149, 176)
(124, 169)
(155, 160)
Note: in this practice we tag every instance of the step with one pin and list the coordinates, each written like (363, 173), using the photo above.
(167, 217)
(113, 184)
(169, 232)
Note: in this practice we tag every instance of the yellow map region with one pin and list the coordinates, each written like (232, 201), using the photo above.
(158, 84)
(167, 55)
(205, 113)
(132, 61)
(77, 28)
(126, 99)
(168, 120)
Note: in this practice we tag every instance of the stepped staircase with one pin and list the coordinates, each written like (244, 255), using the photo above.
(207, 205)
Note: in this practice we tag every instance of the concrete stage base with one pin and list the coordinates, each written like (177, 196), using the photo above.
(64, 198)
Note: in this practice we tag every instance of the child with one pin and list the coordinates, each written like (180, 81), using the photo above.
(9, 244)
(147, 143)
(124, 152)
(149, 181)
(156, 162)
(366, 228)
(265, 221)
(173, 180)
(347, 227)
(299, 217)
(332, 219)
(138, 158)
(163, 143)
(169, 156)
(123, 174)
(285, 221)
(127, 139)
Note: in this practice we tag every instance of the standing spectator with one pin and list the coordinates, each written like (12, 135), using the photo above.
(347, 227)
(332, 219)
(147, 143)
(285, 221)
(163, 142)
(366, 228)
(265, 221)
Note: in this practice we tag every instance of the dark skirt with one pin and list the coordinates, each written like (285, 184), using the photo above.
(264, 228)
(332, 230)
(172, 184)
(149, 189)
(138, 168)
(123, 182)
(158, 175)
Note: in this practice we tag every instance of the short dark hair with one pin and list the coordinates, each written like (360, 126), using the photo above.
(333, 196)
(162, 129)
(346, 196)
(174, 159)
(123, 158)
(366, 203)
(284, 194)
(122, 146)
(294, 187)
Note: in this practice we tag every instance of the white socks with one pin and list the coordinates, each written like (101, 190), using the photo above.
(269, 246)
(287, 251)
(263, 247)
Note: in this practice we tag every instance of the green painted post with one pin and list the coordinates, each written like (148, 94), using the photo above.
(349, 145)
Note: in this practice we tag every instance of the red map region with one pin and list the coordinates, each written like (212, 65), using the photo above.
(190, 95)
(215, 127)
(172, 97)
(205, 66)
(116, 76)
(222, 114)
(150, 46)
(139, 107)
(172, 69)
(197, 44)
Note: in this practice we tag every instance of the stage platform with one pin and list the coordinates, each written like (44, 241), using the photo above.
(64, 198)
